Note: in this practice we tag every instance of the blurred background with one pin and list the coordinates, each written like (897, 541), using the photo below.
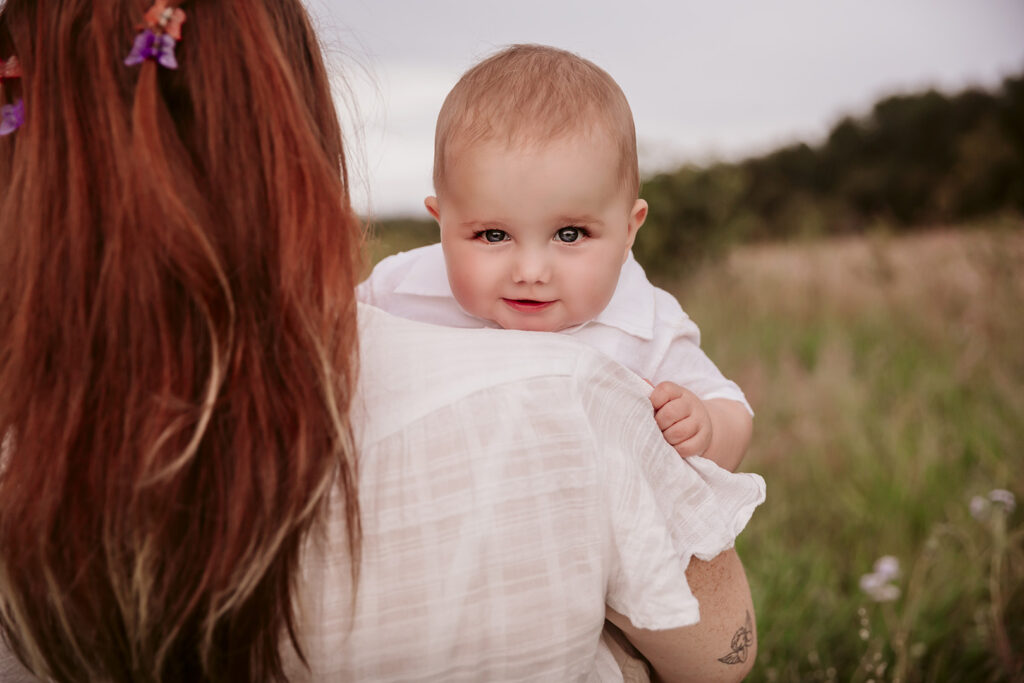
(837, 199)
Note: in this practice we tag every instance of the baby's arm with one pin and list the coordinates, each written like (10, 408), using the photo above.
(718, 429)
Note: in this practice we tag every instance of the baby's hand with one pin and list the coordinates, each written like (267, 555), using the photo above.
(682, 417)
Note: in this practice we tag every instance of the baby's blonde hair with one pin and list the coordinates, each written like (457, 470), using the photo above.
(535, 93)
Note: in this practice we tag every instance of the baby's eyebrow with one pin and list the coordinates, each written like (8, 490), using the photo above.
(579, 219)
(483, 225)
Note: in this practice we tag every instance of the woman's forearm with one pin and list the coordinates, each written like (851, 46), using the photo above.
(722, 647)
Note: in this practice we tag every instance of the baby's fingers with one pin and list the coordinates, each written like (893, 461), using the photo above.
(671, 413)
(688, 438)
(680, 432)
(665, 392)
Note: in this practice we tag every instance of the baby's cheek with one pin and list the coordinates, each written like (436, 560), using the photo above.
(465, 293)
(471, 285)
(595, 290)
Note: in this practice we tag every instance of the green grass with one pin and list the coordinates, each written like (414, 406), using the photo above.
(886, 399)
(888, 380)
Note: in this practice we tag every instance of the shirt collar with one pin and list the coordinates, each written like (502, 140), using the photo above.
(631, 308)
(427, 276)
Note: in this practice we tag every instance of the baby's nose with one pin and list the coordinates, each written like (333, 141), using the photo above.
(531, 266)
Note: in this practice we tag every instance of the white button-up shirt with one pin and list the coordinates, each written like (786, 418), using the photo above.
(643, 327)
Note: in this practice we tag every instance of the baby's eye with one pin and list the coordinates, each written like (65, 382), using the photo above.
(570, 234)
(492, 235)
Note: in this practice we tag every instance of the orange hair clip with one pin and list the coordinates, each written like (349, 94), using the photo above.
(163, 19)
(10, 68)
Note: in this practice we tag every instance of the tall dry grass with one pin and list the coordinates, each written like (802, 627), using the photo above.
(888, 379)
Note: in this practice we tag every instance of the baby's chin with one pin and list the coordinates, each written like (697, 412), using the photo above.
(531, 328)
(535, 326)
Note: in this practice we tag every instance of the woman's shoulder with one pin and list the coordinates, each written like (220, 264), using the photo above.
(483, 356)
(411, 368)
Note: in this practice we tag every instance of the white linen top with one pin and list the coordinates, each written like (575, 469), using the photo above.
(511, 484)
(643, 327)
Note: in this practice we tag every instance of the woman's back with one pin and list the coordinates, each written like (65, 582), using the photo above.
(511, 484)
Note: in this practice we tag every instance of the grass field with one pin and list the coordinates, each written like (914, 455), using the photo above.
(888, 379)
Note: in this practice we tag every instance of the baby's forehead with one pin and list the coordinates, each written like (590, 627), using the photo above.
(482, 137)
(527, 138)
(584, 123)
(572, 172)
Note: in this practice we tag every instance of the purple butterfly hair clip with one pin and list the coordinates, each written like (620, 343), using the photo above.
(149, 45)
(12, 117)
(157, 38)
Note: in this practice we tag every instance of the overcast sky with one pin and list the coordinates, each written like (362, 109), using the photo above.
(710, 79)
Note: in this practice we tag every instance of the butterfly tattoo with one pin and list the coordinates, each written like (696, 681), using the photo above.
(742, 641)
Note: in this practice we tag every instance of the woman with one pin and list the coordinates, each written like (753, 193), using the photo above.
(195, 484)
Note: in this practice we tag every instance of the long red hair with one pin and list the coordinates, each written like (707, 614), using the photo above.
(177, 339)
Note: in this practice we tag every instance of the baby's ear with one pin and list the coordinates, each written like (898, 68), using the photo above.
(637, 216)
(433, 207)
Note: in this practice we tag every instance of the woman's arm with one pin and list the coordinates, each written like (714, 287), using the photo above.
(722, 646)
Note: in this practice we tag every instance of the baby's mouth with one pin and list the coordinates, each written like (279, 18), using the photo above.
(527, 305)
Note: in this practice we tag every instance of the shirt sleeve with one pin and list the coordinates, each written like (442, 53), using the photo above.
(678, 357)
(663, 510)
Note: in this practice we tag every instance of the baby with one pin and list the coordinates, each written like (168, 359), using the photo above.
(537, 198)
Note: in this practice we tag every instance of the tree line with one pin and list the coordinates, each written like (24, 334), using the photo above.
(913, 161)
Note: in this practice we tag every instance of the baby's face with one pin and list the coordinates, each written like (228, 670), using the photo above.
(534, 238)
